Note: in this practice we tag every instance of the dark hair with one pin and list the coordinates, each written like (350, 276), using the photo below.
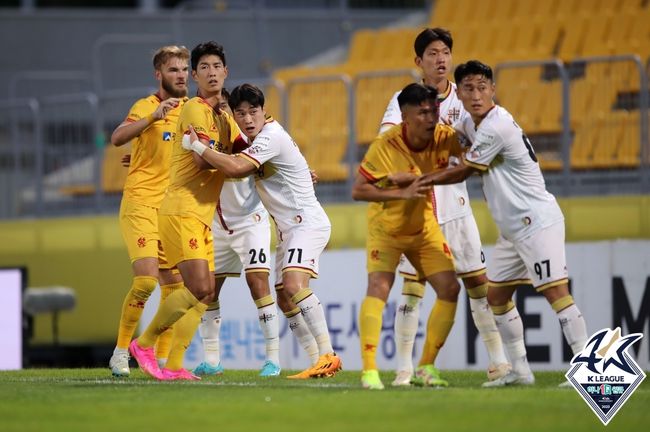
(246, 93)
(225, 93)
(414, 94)
(472, 67)
(429, 35)
(207, 48)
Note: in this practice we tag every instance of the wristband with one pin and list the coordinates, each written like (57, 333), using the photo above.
(199, 147)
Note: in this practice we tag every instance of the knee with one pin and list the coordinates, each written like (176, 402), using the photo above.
(284, 303)
(449, 291)
(497, 297)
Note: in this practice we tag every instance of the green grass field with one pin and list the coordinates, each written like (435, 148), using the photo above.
(91, 400)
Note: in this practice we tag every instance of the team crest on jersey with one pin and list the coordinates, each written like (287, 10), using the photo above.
(167, 136)
(374, 255)
(604, 374)
(453, 115)
(142, 242)
(194, 244)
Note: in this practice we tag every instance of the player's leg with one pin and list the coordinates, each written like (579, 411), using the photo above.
(139, 228)
(252, 245)
(506, 271)
(303, 248)
(465, 242)
(297, 324)
(188, 244)
(432, 257)
(210, 330)
(170, 281)
(545, 258)
(370, 322)
(407, 317)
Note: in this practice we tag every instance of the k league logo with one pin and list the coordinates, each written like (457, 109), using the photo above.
(604, 373)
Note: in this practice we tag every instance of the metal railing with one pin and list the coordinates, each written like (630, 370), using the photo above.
(52, 149)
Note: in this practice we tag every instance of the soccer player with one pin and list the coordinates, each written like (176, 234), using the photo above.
(284, 184)
(452, 210)
(401, 221)
(186, 215)
(242, 237)
(150, 125)
(530, 246)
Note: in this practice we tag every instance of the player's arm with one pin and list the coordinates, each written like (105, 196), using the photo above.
(366, 190)
(129, 129)
(232, 166)
(452, 175)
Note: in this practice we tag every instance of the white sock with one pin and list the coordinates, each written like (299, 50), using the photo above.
(299, 328)
(209, 331)
(406, 327)
(121, 351)
(487, 328)
(312, 312)
(574, 327)
(268, 317)
(512, 333)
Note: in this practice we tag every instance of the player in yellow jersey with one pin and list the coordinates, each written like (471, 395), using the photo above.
(150, 126)
(186, 215)
(400, 221)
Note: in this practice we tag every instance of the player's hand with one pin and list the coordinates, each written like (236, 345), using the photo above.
(126, 160)
(402, 179)
(417, 189)
(314, 176)
(191, 142)
(164, 107)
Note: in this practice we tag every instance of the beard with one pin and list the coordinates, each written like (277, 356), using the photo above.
(173, 91)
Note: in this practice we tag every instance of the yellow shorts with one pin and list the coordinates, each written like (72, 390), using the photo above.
(139, 226)
(427, 251)
(185, 238)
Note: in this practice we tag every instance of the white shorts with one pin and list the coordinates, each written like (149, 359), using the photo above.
(539, 259)
(247, 248)
(465, 242)
(299, 249)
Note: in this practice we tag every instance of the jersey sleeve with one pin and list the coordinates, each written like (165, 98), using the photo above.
(261, 150)
(196, 115)
(141, 109)
(375, 166)
(392, 116)
(485, 148)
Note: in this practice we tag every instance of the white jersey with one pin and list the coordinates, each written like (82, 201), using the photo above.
(452, 201)
(283, 179)
(512, 180)
(239, 205)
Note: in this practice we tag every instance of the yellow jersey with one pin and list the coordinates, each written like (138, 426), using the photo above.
(151, 151)
(391, 153)
(193, 191)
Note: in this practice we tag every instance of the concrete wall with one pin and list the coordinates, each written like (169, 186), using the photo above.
(256, 42)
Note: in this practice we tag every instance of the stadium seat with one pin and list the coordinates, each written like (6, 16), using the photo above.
(113, 174)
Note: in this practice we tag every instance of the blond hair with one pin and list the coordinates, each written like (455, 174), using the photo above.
(165, 53)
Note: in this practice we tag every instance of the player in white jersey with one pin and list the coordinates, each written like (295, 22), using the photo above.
(284, 184)
(452, 209)
(530, 246)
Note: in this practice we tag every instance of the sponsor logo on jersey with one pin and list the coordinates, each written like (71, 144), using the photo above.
(211, 144)
(167, 136)
(604, 374)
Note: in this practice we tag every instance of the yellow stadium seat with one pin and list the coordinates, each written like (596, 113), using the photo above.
(582, 146)
(629, 149)
(113, 174)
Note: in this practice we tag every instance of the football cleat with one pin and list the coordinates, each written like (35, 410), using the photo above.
(301, 375)
(181, 374)
(429, 376)
(328, 365)
(510, 379)
(370, 380)
(146, 359)
(498, 371)
(403, 378)
(270, 369)
(207, 369)
(119, 363)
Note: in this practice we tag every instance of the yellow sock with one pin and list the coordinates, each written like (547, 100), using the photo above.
(164, 342)
(370, 330)
(132, 308)
(439, 325)
(176, 305)
(184, 331)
